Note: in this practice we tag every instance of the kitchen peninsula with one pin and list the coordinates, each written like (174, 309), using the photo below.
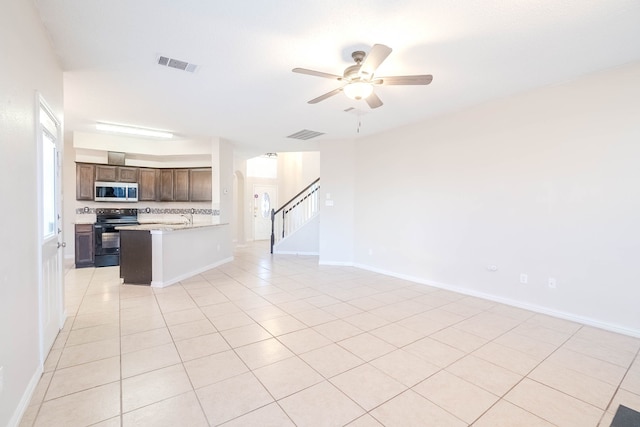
(164, 254)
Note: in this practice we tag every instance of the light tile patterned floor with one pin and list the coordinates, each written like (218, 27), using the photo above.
(281, 341)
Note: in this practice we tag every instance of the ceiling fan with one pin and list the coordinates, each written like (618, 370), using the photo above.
(360, 80)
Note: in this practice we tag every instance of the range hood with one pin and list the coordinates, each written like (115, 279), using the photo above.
(115, 158)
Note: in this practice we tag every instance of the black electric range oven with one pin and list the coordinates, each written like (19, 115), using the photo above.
(106, 237)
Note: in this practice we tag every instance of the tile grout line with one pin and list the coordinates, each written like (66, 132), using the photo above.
(619, 387)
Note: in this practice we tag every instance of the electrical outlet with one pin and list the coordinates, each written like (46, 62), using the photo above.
(552, 282)
(524, 278)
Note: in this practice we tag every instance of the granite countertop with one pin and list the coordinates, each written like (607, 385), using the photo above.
(165, 226)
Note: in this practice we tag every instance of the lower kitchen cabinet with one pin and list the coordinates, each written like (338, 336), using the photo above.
(135, 257)
(84, 245)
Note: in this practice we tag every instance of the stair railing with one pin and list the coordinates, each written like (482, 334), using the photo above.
(295, 213)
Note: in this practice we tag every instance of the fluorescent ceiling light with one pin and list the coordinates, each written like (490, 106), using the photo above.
(129, 130)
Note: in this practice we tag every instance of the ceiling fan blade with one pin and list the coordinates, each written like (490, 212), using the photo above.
(317, 73)
(373, 100)
(424, 79)
(372, 61)
(325, 96)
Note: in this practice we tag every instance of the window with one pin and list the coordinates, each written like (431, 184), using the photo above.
(263, 167)
(265, 206)
(49, 171)
(48, 185)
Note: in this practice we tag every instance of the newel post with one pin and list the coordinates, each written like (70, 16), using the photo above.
(273, 237)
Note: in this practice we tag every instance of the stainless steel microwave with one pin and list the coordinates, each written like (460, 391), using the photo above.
(116, 192)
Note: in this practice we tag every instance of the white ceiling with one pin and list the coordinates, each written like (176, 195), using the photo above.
(244, 90)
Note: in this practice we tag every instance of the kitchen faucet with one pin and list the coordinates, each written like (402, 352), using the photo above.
(189, 218)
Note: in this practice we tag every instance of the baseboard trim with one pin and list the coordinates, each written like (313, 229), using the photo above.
(338, 263)
(295, 253)
(515, 303)
(26, 398)
(174, 280)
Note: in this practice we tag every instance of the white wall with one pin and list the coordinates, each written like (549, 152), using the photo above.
(546, 183)
(151, 148)
(295, 171)
(241, 227)
(225, 183)
(303, 241)
(337, 185)
(28, 65)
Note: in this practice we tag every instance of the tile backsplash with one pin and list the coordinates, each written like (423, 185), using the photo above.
(159, 211)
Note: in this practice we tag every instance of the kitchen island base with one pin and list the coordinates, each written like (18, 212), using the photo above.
(178, 253)
(135, 257)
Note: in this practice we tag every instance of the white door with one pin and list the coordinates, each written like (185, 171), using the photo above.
(264, 199)
(50, 201)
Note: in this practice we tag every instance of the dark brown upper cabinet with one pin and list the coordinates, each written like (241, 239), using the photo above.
(85, 174)
(106, 173)
(200, 185)
(148, 184)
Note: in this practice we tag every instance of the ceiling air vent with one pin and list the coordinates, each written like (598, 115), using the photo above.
(305, 134)
(177, 64)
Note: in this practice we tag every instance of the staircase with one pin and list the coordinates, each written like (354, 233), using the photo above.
(295, 214)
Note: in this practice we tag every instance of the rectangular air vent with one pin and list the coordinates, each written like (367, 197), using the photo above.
(177, 64)
(305, 134)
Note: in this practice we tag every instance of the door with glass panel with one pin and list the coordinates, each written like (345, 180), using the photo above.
(50, 229)
(264, 198)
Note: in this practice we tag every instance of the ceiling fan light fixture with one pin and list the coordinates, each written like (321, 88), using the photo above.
(358, 90)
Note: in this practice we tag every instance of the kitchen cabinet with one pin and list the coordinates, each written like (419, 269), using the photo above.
(166, 185)
(181, 185)
(85, 174)
(154, 184)
(200, 185)
(148, 184)
(84, 245)
(106, 173)
(135, 257)
(126, 174)
(110, 173)
(174, 185)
